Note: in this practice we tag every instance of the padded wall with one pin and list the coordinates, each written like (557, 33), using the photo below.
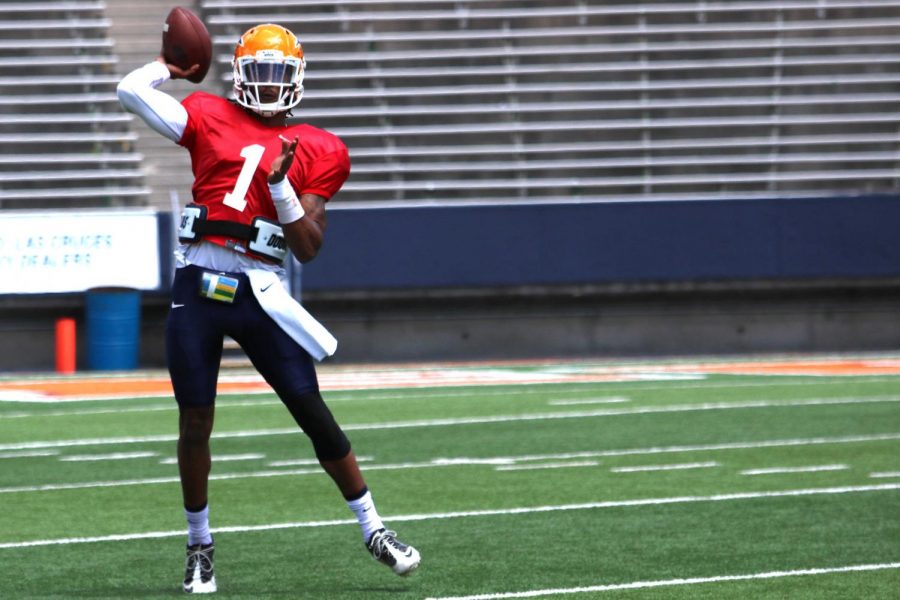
(601, 243)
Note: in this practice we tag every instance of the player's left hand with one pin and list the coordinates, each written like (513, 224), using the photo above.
(283, 161)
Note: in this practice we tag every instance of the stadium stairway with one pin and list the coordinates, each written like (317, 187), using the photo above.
(137, 31)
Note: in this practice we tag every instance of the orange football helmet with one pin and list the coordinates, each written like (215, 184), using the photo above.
(268, 70)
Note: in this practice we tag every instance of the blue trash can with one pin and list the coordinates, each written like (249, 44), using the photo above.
(113, 317)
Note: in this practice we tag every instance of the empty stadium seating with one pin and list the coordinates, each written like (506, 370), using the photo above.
(65, 141)
(500, 101)
(484, 101)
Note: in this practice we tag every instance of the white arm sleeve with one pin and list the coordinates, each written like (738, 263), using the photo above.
(138, 94)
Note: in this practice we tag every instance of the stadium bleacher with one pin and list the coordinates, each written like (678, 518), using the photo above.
(65, 140)
(493, 101)
(485, 101)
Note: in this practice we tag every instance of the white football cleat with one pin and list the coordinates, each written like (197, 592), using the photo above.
(387, 549)
(199, 577)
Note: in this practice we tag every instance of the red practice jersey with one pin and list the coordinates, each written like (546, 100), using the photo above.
(232, 154)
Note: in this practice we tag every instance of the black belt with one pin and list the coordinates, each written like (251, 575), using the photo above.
(226, 228)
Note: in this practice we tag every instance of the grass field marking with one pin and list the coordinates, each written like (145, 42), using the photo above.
(330, 396)
(807, 469)
(497, 460)
(425, 394)
(29, 454)
(220, 458)
(141, 439)
(76, 412)
(236, 457)
(550, 465)
(23, 396)
(112, 456)
(55, 487)
(300, 462)
(617, 412)
(884, 474)
(584, 401)
(674, 582)
(478, 513)
(675, 467)
(295, 462)
(686, 448)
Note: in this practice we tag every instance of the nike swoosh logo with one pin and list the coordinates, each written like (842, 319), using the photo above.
(267, 287)
(177, 305)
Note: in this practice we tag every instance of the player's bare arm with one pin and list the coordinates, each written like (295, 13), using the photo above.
(304, 236)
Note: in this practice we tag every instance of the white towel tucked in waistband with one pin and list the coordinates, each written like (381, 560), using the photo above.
(290, 315)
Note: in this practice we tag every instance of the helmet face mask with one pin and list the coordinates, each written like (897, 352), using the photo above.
(268, 70)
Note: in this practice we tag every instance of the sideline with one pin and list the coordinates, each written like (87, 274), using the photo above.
(104, 386)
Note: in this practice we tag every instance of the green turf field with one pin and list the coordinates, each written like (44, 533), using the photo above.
(722, 487)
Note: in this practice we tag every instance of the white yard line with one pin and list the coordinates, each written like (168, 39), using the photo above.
(296, 462)
(236, 457)
(140, 439)
(113, 456)
(676, 467)
(585, 401)
(467, 461)
(78, 412)
(829, 491)
(307, 462)
(807, 469)
(166, 407)
(219, 458)
(552, 465)
(618, 412)
(885, 474)
(29, 454)
(634, 585)
(608, 412)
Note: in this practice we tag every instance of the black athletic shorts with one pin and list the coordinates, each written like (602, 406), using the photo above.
(195, 331)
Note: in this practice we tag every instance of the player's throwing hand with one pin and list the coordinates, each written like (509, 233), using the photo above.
(177, 72)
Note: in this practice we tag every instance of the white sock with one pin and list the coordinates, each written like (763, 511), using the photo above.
(198, 526)
(368, 518)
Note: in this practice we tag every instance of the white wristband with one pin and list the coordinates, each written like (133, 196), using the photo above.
(287, 205)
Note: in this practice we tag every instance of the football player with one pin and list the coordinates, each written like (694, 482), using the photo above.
(260, 190)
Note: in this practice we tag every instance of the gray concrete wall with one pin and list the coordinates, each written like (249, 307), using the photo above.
(555, 323)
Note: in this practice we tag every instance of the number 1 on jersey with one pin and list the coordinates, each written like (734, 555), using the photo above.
(237, 198)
